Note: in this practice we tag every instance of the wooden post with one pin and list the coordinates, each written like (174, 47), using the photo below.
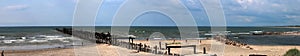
(145, 47)
(194, 49)
(2, 53)
(129, 42)
(129, 39)
(169, 51)
(140, 47)
(155, 50)
(166, 44)
(204, 50)
(132, 40)
(159, 45)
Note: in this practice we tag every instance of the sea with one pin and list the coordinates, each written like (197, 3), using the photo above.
(143, 32)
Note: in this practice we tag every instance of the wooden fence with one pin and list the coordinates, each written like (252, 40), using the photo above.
(106, 38)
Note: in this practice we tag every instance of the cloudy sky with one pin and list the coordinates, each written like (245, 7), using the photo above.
(237, 12)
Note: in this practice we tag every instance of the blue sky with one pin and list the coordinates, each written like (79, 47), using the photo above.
(237, 13)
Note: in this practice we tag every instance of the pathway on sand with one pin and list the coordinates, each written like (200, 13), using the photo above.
(109, 50)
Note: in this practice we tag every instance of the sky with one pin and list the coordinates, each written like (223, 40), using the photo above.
(237, 12)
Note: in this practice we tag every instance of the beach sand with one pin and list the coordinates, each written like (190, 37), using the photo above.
(46, 52)
(275, 50)
(102, 49)
(110, 50)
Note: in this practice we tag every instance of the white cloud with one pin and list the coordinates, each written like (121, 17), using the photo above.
(246, 4)
(193, 4)
(172, 8)
(292, 16)
(248, 20)
(276, 5)
(15, 7)
(293, 19)
(243, 18)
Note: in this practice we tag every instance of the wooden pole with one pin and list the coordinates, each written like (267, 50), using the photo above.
(166, 44)
(194, 49)
(129, 42)
(132, 40)
(155, 51)
(204, 50)
(169, 51)
(140, 47)
(2, 53)
(159, 45)
(145, 47)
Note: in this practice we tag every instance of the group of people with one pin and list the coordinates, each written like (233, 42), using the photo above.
(103, 37)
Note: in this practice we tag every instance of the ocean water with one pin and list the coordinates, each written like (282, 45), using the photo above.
(173, 32)
(28, 31)
(268, 39)
(167, 31)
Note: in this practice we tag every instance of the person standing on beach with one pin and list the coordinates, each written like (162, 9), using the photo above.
(199, 41)
(173, 41)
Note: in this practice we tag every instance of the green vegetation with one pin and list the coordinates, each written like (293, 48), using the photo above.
(289, 26)
(292, 52)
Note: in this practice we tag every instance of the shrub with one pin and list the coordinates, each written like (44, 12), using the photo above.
(292, 52)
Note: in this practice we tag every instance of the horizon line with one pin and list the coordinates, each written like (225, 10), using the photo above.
(144, 26)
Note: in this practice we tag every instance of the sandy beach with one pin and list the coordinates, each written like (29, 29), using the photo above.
(46, 52)
(110, 50)
(229, 49)
(274, 50)
(102, 49)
